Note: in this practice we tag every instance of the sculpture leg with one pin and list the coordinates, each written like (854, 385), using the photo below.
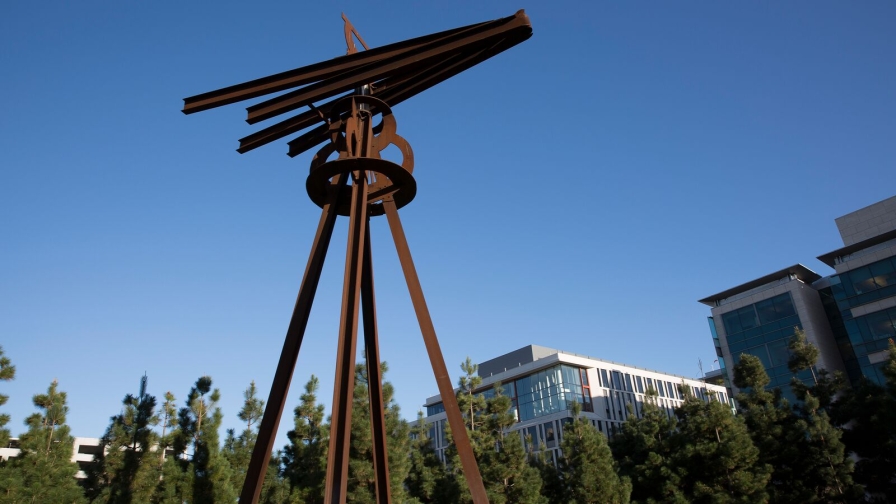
(343, 390)
(452, 411)
(267, 431)
(374, 378)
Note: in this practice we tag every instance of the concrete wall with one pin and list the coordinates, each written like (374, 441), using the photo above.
(867, 222)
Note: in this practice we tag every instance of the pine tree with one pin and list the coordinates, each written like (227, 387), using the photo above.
(803, 357)
(204, 478)
(125, 471)
(870, 412)
(238, 449)
(305, 457)
(426, 471)
(587, 467)
(361, 484)
(714, 458)
(824, 471)
(643, 449)
(7, 373)
(44, 471)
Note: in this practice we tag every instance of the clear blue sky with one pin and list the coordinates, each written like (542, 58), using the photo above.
(580, 191)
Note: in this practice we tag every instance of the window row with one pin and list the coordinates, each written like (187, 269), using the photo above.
(757, 314)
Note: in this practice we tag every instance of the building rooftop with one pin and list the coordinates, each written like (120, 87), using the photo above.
(831, 257)
(797, 271)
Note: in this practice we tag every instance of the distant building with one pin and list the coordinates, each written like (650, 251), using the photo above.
(84, 450)
(850, 316)
(542, 384)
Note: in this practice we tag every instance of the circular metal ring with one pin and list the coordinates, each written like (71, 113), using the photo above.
(401, 186)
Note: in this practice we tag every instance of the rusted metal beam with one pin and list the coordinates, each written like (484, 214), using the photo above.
(343, 389)
(374, 378)
(319, 71)
(443, 380)
(267, 430)
(392, 92)
(360, 75)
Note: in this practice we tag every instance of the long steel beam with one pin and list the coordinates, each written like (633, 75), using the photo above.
(374, 378)
(267, 431)
(343, 389)
(327, 69)
(443, 380)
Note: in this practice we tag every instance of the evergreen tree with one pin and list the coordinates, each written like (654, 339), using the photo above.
(825, 472)
(643, 449)
(168, 420)
(125, 470)
(714, 458)
(803, 357)
(361, 484)
(204, 478)
(7, 373)
(426, 471)
(44, 471)
(587, 467)
(238, 449)
(305, 457)
(503, 461)
(870, 413)
(503, 464)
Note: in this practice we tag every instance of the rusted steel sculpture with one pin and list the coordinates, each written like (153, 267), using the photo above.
(356, 127)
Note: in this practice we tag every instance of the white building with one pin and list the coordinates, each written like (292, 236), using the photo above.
(84, 449)
(543, 383)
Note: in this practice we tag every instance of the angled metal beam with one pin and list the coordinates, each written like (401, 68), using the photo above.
(517, 28)
(318, 71)
(267, 430)
(443, 380)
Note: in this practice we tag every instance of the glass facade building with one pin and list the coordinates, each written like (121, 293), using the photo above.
(543, 384)
(850, 316)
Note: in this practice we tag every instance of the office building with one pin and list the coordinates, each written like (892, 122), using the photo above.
(849, 316)
(542, 384)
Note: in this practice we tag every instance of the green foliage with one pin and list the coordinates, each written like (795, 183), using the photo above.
(362, 483)
(468, 401)
(7, 373)
(305, 457)
(589, 473)
(714, 458)
(44, 471)
(426, 471)
(644, 450)
(125, 471)
(238, 449)
(870, 411)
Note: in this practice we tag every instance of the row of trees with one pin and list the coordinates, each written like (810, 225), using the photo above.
(770, 452)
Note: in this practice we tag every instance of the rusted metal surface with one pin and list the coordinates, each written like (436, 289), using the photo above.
(267, 430)
(343, 390)
(443, 380)
(356, 125)
(374, 378)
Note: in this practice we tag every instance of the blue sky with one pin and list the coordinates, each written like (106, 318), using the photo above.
(580, 191)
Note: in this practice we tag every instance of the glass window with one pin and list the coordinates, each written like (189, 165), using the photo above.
(766, 310)
(747, 317)
(779, 353)
(760, 352)
(880, 325)
(640, 384)
(550, 440)
(784, 305)
(604, 377)
(732, 322)
(882, 273)
(628, 383)
(861, 280)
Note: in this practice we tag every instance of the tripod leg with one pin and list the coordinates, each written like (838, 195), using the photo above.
(343, 390)
(452, 411)
(374, 378)
(267, 431)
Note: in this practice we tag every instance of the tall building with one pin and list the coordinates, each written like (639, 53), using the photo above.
(849, 316)
(542, 384)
